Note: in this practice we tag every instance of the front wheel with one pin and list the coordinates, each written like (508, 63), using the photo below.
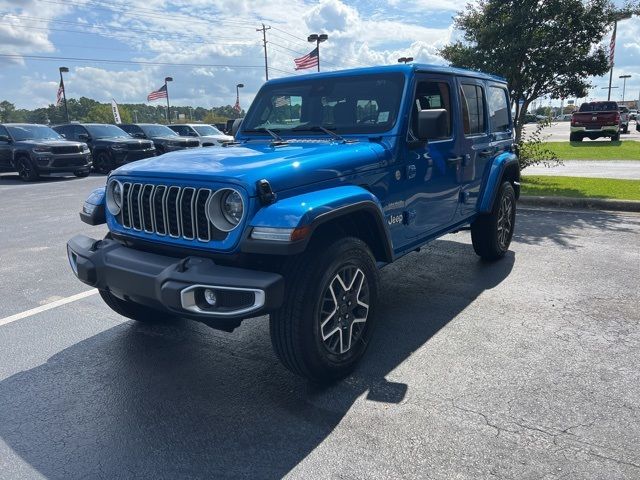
(82, 173)
(326, 322)
(103, 163)
(26, 170)
(491, 233)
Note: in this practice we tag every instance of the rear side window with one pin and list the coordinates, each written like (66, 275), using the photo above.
(473, 109)
(498, 104)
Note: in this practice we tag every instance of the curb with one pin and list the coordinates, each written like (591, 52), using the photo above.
(581, 203)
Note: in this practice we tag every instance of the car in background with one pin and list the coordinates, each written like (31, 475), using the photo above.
(594, 120)
(209, 136)
(624, 119)
(164, 139)
(110, 145)
(34, 150)
(221, 126)
(633, 114)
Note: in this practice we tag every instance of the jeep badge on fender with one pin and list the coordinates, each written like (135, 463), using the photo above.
(288, 220)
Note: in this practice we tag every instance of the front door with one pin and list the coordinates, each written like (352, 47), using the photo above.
(5, 151)
(432, 187)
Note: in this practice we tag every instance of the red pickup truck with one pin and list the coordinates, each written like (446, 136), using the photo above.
(595, 120)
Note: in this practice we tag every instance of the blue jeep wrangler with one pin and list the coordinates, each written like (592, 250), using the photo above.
(331, 177)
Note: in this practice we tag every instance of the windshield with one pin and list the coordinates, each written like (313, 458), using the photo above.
(32, 132)
(357, 104)
(599, 107)
(158, 131)
(106, 131)
(207, 130)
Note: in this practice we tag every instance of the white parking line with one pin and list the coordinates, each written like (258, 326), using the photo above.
(48, 306)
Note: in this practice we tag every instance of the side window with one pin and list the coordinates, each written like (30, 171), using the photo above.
(498, 104)
(432, 96)
(130, 129)
(473, 109)
(3, 131)
(62, 130)
(76, 131)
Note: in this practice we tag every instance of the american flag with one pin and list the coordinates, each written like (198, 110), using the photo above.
(282, 101)
(612, 48)
(60, 94)
(156, 94)
(236, 107)
(308, 61)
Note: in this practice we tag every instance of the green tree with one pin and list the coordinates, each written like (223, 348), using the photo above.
(542, 47)
(6, 111)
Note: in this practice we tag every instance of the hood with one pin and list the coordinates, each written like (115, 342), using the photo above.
(285, 167)
(50, 143)
(226, 138)
(124, 141)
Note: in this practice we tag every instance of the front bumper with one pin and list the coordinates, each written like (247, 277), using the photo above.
(62, 163)
(174, 284)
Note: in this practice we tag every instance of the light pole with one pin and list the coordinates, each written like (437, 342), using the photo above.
(405, 60)
(238, 87)
(624, 85)
(64, 93)
(318, 38)
(166, 87)
(135, 115)
(619, 16)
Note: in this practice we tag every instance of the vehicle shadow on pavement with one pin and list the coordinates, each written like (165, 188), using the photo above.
(183, 401)
(538, 226)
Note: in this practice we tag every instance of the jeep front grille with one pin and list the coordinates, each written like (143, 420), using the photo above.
(177, 212)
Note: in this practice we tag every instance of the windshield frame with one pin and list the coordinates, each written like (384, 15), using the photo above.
(90, 129)
(147, 129)
(252, 127)
(38, 127)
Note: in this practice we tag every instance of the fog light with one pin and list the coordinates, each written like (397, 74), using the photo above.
(210, 297)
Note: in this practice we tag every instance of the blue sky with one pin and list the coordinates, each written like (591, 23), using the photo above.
(220, 35)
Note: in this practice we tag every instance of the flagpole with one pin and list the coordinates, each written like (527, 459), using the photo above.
(64, 92)
(613, 43)
(166, 88)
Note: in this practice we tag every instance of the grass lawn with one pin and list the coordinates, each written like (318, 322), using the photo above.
(597, 150)
(579, 187)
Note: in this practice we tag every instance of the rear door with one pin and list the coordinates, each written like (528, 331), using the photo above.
(476, 140)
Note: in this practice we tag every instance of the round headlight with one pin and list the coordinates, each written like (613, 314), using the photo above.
(114, 197)
(225, 209)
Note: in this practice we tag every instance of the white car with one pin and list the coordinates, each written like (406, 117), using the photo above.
(208, 135)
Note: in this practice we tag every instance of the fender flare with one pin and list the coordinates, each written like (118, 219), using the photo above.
(93, 210)
(491, 185)
(311, 210)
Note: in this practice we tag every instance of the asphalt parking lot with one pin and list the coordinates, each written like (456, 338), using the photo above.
(523, 369)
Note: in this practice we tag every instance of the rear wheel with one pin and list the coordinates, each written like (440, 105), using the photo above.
(615, 138)
(132, 310)
(491, 233)
(573, 137)
(103, 162)
(326, 322)
(82, 174)
(26, 170)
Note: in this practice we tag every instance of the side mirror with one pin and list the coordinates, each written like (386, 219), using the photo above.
(5, 139)
(433, 124)
(83, 137)
(63, 135)
(237, 123)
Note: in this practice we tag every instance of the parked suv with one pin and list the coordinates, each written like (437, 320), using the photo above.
(164, 139)
(208, 135)
(624, 119)
(34, 150)
(110, 145)
(332, 176)
(595, 120)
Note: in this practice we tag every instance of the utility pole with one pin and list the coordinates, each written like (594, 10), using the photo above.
(622, 15)
(64, 92)
(264, 42)
(166, 88)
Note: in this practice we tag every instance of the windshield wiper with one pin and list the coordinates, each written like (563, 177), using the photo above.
(319, 128)
(277, 139)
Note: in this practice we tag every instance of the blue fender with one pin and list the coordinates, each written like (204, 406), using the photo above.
(93, 208)
(312, 209)
(501, 163)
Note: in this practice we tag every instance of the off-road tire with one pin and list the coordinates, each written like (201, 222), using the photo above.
(296, 330)
(103, 163)
(575, 138)
(132, 310)
(487, 236)
(615, 138)
(26, 170)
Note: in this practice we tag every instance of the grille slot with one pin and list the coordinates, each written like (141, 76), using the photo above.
(179, 212)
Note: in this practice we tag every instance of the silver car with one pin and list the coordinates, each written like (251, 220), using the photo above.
(208, 135)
